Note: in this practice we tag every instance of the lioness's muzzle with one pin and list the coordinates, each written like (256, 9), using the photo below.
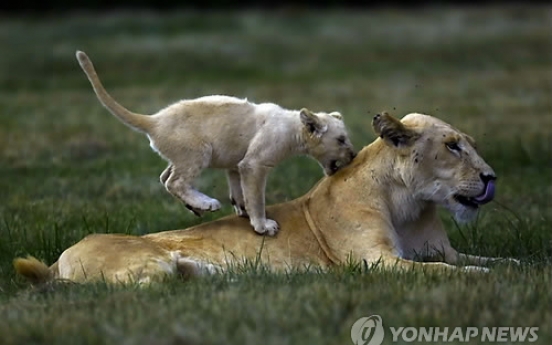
(488, 193)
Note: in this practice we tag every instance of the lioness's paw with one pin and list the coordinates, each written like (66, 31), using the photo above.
(475, 269)
(508, 261)
(504, 261)
(269, 227)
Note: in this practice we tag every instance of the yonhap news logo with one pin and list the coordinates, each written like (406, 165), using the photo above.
(369, 330)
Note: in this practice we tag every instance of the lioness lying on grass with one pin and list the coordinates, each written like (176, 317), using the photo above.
(225, 132)
(382, 208)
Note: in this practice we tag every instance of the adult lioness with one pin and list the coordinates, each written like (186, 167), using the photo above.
(381, 208)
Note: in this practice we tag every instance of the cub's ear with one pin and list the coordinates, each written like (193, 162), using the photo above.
(336, 114)
(312, 122)
(393, 131)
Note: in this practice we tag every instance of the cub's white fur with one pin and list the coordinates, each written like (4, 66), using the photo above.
(225, 132)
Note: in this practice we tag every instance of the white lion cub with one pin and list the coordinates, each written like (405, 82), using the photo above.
(225, 132)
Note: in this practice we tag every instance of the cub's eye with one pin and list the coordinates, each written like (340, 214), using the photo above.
(341, 140)
(453, 146)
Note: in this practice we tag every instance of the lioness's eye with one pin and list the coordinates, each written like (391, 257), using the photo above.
(341, 140)
(453, 146)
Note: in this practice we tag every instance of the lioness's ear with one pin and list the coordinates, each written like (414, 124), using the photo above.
(471, 140)
(336, 114)
(393, 131)
(312, 122)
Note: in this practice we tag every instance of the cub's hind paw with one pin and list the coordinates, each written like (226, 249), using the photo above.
(206, 205)
(239, 208)
(196, 212)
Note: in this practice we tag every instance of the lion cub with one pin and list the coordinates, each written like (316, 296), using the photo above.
(225, 132)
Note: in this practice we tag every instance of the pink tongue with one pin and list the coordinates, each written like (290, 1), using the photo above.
(488, 195)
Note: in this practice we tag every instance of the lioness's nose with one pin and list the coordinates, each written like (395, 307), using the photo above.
(487, 177)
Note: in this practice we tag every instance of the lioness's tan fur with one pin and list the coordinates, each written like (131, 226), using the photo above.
(225, 132)
(382, 208)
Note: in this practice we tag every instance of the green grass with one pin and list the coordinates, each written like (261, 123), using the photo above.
(69, 168)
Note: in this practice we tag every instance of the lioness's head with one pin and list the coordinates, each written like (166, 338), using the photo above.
(327, 139)
(439, 163)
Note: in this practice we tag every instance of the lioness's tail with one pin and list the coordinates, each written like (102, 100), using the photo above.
(33, 270)
(137, 121)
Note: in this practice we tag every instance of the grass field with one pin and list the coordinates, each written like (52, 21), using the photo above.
(69, 168)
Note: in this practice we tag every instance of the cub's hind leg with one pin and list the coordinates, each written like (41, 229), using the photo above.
(166, 174)
(236, 193)
(181, 172)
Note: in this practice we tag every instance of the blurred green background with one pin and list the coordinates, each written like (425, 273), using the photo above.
(69, 168)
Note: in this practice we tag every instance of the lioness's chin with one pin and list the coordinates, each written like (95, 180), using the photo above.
(462, 213)
(466, 215)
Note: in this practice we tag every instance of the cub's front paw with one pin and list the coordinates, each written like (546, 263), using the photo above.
(267, 227)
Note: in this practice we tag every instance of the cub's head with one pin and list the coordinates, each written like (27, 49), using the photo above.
(327, 139)
(438, 163)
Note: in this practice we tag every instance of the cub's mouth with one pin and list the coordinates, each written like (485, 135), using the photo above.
(333, 167)
(483, 198)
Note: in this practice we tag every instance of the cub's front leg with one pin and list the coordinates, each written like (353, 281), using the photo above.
(253, 181)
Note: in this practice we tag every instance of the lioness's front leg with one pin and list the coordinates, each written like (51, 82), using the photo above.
(455, 258)
(439, 249)
(253, 181)
(427, 240)
(371, 238)
(236, 192)
(437, 246)
(396, 262)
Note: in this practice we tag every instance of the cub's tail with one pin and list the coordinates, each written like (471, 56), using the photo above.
(33, 270)
(138, 122)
